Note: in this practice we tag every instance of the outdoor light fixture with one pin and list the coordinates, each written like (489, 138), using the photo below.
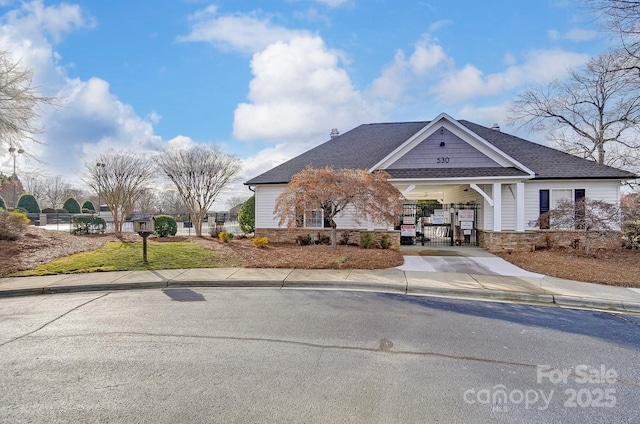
(441, 130)
(442, 144)
(15, 152)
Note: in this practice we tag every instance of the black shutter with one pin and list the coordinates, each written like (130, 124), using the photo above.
(544, 208)
(579, 199)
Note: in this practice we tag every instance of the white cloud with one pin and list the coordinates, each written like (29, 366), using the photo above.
(402, 72)
(575, 34)
(539, 67)
(244, 33)
(333, 3)
(92, 119)
(299, 92)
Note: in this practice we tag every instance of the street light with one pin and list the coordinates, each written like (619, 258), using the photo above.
(14, 153)
(99, 166)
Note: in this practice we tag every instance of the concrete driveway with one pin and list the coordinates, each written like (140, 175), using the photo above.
(463, 260)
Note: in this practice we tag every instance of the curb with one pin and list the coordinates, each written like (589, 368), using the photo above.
(345, 285)
(464, 294)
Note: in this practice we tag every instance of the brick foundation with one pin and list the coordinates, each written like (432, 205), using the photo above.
(283, 235)
(496, 242)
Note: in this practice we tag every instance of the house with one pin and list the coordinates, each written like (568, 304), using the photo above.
(500, 182)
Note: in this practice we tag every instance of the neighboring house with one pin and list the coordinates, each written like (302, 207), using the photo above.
(507, 181)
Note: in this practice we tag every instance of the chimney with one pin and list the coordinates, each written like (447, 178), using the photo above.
(495, 126)
(334, 133)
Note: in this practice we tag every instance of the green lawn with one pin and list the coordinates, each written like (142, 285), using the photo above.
(116, 256)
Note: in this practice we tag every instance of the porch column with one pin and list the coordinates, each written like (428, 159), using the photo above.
(497, 207)
(519, 207)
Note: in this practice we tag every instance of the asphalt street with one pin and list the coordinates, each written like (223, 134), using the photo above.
(265, 355)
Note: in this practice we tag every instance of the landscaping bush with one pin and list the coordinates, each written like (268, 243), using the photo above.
(88, 224)
(304, 240)
(260, 242)
(88, 207)
(366, 240)
(28, 203)
(3, 205)
(385, 242)
(247, 215)
(165, 225)
(225, 236)
(71, 205)
(49, 210)
(12, 225)
(323, 239)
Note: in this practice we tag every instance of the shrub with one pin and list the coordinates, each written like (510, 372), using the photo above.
(62, 210)
(366, 240)
(48, 210)
(3, 205)
(385, 242)
(247, 215)
(344, 238)
(12, 225)
(304, 240)
(260, 242)
(323, 239)
(88, 224)
(225, 236)
(71, 205)
(165, 225)
(88, 207)
(28, 203)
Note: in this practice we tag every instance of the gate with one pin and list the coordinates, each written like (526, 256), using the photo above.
(446, 224)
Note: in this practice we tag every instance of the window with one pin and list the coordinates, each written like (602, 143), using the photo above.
(314, 219)
(549, 200)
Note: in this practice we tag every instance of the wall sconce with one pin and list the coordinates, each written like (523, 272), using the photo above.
(442, 144)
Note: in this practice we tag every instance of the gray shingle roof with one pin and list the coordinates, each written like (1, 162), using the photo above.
(546, 162)
(411, 173)
(366, 145)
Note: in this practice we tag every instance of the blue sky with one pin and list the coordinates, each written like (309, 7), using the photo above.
(266, 80)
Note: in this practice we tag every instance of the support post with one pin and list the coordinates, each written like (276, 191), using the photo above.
(519, 207)
(497, 207)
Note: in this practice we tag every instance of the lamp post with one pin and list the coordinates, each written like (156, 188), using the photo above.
(99, 166)
(14, 153)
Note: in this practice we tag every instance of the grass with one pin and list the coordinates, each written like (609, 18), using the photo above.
(116, 256)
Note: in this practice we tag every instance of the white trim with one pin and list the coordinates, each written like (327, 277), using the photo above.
(444, 120)
(408, 189)
(482, 193)
(497, 207)
(519, 210)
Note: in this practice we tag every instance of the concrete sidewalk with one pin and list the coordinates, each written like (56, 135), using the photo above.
(536, 289)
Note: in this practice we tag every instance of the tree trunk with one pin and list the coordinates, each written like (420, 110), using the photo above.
(334, 242)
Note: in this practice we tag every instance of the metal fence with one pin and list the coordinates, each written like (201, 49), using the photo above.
(215, 221)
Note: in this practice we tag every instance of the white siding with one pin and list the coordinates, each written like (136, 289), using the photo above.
(266, 196)
(608, 191)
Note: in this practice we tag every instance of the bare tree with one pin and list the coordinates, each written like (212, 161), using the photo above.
(199, 174)
(595, 218)
(56, 191)
(622, 17)
(593, 113)
(333, 192)
(234, 201)
(122, 179)
(171, 202)
(20, 103)
(37, 187)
